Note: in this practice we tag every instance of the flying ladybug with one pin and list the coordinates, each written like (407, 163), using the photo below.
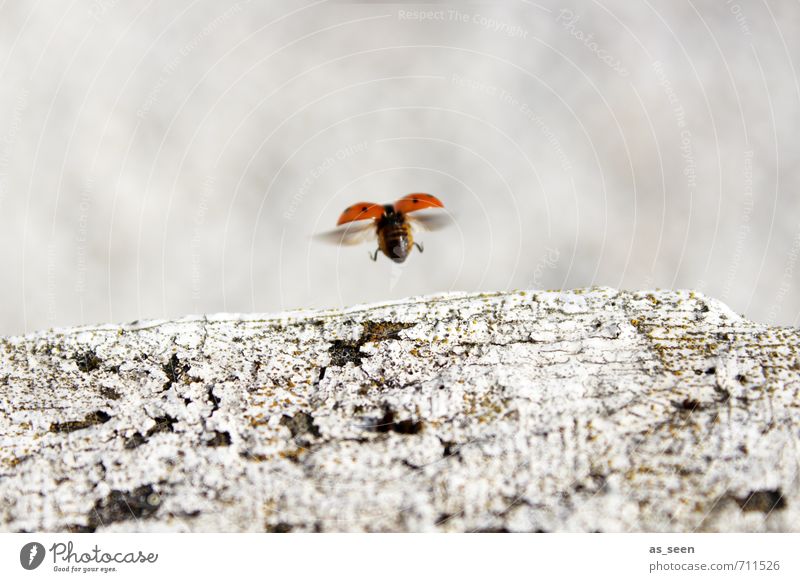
(390, 223)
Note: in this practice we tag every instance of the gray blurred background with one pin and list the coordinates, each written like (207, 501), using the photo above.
(165, 158)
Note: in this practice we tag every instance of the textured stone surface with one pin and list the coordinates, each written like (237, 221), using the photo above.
(555, 411)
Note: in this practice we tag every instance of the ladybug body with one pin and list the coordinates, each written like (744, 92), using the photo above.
(394, 235)
(391, 224)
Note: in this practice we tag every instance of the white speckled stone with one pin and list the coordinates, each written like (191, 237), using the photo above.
(587, 410)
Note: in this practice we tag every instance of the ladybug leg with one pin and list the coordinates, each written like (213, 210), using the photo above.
(374, 256)
(419, 246)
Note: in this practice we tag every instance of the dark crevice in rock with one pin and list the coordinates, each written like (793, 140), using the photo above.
(78, 528)
(184, 514)
(451, 449)
(254, 370)
(91, 419)
(444, 518)
(763, 500)
(220, 439)
(175, 370)
(300, 425)
(135, 440)
(688, 405)
(722, 391)
(593, 484)
(140, 503)
(376, 331)
(87, 361)
(342, 351)
(110, 393)
(163, 424)
(213, 400)
(387, 423)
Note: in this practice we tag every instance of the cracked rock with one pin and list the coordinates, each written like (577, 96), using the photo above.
(584, 410)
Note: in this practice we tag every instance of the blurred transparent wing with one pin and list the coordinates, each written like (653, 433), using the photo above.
(430, 222)
(348, 235)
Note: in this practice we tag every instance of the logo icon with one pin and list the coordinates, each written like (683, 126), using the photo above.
(31, 555)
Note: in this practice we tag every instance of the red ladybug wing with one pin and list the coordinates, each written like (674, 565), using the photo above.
(417, 201)
(360, 211)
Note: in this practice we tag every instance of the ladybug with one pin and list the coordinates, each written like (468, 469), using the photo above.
(390, 223)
